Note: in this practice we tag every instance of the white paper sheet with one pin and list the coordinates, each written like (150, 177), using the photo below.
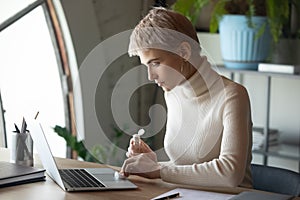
(189, 194)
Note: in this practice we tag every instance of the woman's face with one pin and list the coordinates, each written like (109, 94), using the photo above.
(163, 67)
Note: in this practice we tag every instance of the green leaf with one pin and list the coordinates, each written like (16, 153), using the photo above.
(250, 13)
(217, 14)
(260, 31)
(278, 15)
(99, 153)
(190, 8)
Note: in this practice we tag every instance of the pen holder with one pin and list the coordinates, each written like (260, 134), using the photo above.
(22, 149)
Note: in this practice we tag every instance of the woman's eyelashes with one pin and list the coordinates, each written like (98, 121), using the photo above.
(154, 64)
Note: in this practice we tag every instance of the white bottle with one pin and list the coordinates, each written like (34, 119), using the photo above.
(137, 137)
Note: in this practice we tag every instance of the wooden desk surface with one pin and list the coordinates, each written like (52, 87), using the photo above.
(147, 188)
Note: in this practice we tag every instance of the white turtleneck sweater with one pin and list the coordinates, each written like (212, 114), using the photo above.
(209, 132)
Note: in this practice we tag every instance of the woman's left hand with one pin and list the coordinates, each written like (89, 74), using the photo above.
(143, 165)
(141, 147)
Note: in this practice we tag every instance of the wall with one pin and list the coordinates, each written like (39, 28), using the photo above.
(82, 22)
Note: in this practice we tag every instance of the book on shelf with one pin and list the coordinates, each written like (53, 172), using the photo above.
(258, 138)
(13, 174)
(279, 68)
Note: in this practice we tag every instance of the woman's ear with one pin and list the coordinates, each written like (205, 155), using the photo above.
(185, 50)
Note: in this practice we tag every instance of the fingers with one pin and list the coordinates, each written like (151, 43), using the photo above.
(135, 149)
(130, 153)
(142, 165)
(123, 173)
(129, 166)
(144, 147)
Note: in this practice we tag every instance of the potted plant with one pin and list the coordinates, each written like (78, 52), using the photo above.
(98, 153)
(247, 28)
(74, 144)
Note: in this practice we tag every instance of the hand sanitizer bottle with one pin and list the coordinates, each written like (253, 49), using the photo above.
(137, 137)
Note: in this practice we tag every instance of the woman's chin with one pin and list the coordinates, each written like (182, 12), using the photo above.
(165, 89)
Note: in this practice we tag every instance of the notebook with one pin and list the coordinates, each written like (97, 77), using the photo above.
(78, 179)
(13, 174)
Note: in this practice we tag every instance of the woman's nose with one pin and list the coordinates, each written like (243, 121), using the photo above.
(151, 74)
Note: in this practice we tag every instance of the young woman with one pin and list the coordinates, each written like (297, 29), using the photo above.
(209, 129)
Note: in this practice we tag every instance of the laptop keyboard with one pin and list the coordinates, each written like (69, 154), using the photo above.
(79, 178)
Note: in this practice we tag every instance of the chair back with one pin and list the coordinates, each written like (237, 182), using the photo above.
(273, 179)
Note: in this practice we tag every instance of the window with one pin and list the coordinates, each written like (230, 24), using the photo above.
(32, 78)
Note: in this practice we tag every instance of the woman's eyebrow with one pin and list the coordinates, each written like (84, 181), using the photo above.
(151, 60)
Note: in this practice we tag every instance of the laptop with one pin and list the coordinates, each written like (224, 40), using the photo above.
(77, 179)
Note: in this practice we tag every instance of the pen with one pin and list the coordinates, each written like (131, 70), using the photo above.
(37, 114)
(17, 129)
(171, 196)
(24, 126)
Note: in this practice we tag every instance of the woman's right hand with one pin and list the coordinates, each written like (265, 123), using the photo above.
(141, 161)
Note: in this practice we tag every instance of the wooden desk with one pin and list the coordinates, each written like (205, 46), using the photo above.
(147, 188)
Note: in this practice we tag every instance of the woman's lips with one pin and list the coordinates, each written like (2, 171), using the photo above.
(160, 83)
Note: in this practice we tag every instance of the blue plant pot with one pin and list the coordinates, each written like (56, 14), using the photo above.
(240, 46)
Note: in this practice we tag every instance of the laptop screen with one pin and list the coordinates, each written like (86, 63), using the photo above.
(44, 151)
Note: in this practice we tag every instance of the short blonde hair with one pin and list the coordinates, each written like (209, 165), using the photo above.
(163, 29)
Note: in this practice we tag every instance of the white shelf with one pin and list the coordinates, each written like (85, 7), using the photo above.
(283, 151)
